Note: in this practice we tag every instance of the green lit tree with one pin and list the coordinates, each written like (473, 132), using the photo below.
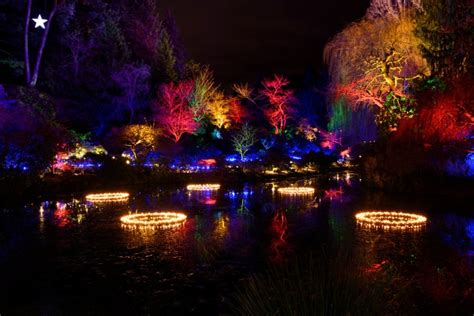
(167, 57)
(244, 140)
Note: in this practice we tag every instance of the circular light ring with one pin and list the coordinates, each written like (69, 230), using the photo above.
(108, 197)
(203, 187)
(161, 220)
(296, 190)
(390, 220)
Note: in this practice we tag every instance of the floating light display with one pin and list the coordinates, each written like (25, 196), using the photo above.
(390, 220)
(296, 190)
(158, 220)
(108, 197)
(203, 187)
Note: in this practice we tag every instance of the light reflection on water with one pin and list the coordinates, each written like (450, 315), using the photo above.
(229, 234)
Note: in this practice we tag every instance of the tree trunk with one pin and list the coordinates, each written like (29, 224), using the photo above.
(34, 77)
(25, 37)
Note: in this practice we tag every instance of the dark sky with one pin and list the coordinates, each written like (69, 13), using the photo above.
(245, 39)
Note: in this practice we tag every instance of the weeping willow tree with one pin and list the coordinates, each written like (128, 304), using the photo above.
(374, 62)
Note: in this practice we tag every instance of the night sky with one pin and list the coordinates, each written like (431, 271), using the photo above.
(243, 40)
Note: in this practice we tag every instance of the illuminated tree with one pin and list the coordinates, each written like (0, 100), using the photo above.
(279, 98)
(204, 89)
(446, 116)
(80, 48)
(391, 8)
(244, 92)
(308, 131)
(132, 80)
(236, 111)
(330, 139)
(219, 110)
(167, 58)
(174, 115)
(244, 140)
(139, 137)
(373, 62)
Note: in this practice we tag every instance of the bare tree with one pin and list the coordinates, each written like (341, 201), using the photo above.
(132, 79)
(244, 140)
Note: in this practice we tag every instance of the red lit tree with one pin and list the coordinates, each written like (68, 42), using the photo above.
(174, 115)
(279, 98)
(445, 117)
(237, 112)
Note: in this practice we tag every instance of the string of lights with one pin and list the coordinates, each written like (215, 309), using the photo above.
(296, 190)
(156, 220)
(108, 197)
(203, 187)
(388, 220)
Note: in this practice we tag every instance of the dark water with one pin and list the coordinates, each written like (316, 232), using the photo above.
(75, 257)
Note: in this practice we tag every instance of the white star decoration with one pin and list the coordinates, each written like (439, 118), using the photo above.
(39, 21)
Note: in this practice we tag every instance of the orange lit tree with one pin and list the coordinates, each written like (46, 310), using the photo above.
(279, 98)
(174, 114)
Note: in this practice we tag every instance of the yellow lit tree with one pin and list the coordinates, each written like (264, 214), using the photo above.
(139, 138)
(373, 62)
(219, 110)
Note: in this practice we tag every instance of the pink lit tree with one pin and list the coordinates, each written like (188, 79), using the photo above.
(174, 114)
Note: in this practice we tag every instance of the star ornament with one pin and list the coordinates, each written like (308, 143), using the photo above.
(39, 21)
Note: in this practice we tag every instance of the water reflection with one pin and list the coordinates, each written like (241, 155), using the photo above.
(279, 245)
(229, 233)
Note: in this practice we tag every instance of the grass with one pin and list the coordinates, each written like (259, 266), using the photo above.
(324, 284)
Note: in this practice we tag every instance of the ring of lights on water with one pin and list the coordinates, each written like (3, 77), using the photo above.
(108, 197)
(203, 187)
(390, 220)
(296, 190)
(160, 220)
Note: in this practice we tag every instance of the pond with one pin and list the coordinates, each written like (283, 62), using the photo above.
(75, 256)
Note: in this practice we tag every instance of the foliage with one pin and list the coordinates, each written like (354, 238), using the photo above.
(236, 111)
(244, 140)
(244, 92)
(319, 284)
(203, 90)
(167, 57)
(374, 62)
(280, 99)
(446, 116)
(308, 131)
(219, 110)
(139, 138)
(392, 9)
(445, 28)
(132, 81)
(394, 109)
(173, 112)
(29, 134)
